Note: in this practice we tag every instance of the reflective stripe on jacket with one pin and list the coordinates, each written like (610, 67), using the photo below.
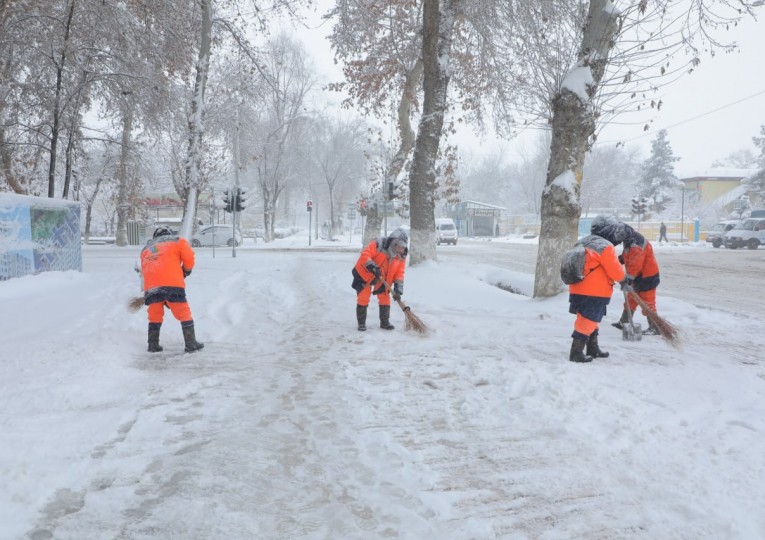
(163, 260)
(601, 268)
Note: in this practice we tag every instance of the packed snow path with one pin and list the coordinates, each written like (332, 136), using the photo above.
(291, 424)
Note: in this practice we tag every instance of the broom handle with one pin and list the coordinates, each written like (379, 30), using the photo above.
(627, 307)
(400, 302)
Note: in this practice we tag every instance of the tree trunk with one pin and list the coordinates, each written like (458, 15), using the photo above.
(406, 135)
(372, 226)
(438, 27)
(331, 230)
(6, 151)
(573, 124)
(89, 209)
(56, 120)
(123, 176)
(196, 121)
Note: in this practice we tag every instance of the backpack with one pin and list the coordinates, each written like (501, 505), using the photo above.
(572, 265)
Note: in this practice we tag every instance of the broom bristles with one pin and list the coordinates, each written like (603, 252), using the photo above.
(413, 322)
(667, 330)
(135, 303)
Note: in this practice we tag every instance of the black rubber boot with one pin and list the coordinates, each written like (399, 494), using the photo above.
(154, 345)
(577, 352)
(192, 345)
(592, 347)
(385, 318)
(625, 318)
(361, 317)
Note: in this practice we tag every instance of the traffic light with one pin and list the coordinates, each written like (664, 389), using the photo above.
(309, 206)
(228, 201)
(241, 199)
(392, 191)
(635, 206)
(643, 205)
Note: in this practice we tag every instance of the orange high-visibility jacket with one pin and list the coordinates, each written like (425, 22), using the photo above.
(601, 268)
(639, 258)
(391, 268)
(163, 261)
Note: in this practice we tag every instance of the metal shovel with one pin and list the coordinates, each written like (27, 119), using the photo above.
(630, 331)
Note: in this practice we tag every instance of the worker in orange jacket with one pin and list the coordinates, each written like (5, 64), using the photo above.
(166, 261)
(643, 271)
(589, 297)
(381, 260)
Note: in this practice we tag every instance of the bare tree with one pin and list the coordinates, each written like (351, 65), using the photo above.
(287, 80)
(380, 47)
(97, 169)
(339, 156)
(610, 172)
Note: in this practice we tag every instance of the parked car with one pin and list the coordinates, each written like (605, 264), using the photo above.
(218, 235)
(446, 231)
(749, 233)
(716, 231)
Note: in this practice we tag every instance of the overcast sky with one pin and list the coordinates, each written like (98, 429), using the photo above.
(714, 111)
(708, 114)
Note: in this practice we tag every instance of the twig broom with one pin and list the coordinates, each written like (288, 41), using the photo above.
(666, 329)
(135, 303)
(413, 322)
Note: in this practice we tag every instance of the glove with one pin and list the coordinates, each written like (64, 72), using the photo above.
(373, 269)
(186, 273)
(398, 290)
(626, 285)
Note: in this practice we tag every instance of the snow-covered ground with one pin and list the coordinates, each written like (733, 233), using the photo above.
(292, 424)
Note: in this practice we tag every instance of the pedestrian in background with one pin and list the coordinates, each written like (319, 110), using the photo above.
(663, 233)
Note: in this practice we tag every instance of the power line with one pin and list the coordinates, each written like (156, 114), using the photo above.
(702, 115)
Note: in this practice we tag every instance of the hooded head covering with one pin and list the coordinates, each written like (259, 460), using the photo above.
(608, 227)
(397, 243)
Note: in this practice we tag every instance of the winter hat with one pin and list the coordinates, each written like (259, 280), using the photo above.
(162, 230)
(397, 242)
(608, 227)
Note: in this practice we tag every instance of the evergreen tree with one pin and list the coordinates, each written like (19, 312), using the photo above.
(657, 179)
(756, 182)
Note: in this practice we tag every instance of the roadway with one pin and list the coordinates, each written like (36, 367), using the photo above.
(730, 280)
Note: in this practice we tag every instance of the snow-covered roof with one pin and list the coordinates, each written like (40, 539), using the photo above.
(483, 205)
(719, 173)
